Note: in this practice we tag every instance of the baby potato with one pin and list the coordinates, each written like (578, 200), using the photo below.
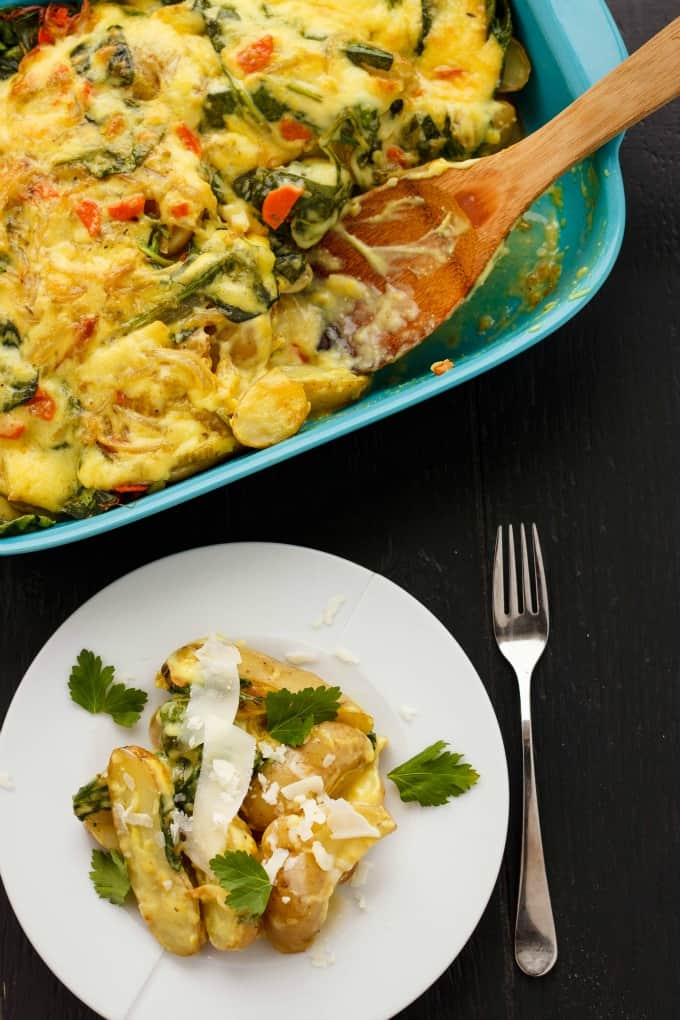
(328, 387)
(272, 409)
(334, 751)
(365, 787)
(226, 929)
(298, 905)
(266, 674)
(138, 783)
(100, 826)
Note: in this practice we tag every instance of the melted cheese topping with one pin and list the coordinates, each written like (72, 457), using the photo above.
(147, 280)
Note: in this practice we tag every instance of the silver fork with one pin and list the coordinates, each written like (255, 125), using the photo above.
(522, 635)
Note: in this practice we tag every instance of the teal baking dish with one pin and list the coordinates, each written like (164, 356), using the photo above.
(572, 43)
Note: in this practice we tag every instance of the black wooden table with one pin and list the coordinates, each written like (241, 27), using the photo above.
(582, 435)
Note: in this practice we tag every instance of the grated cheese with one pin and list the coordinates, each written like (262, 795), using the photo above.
(274, 863)
(408, 713)
(345, 822)
(285, 899)
(321, 956)
(332, 609)
(301, 658)
(328, 760)
(271, 794)
(325, 860)
(167, 884)
(271, 753)
(6, 781)
(360, 875)
(310, 784)
(128, 780)
(345, 655)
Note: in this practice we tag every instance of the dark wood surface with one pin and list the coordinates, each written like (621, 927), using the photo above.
(582, 435)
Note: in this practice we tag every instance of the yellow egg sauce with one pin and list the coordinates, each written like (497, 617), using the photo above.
(164, 173)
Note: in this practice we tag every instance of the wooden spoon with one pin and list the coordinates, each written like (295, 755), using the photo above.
(423, 240)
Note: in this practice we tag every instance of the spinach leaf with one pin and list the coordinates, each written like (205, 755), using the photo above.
(27, 522)
(18, 377)
(326, 189)
(120, 66)
(92, 798)
(18, 35)
(499, 21)
(217, 106)
(89, 502)
(216, 18)
(9, 334)
(431, 141)
(364, 55)
(269, 106)
(289, 262)
(426, 19)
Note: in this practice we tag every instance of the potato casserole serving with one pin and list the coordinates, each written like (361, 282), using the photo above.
(165, 173)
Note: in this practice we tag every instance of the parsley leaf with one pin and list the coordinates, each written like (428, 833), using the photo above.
(110, 876)
(433, 776)
(92, 687)
(245, 880)
(290, 716)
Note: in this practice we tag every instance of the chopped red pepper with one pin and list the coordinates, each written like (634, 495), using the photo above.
(89, 213)
(445, 71)
(57, 22)
(278, 204)
(128, 208)
(11, 429)
(42, 405)
(121, 398)
(397, 155)
(294, 131)
(130, 488)
(188, 138)
(86, 327)
(180, 210)
(256, 55)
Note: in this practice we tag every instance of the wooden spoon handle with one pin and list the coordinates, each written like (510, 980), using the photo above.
(634, 89)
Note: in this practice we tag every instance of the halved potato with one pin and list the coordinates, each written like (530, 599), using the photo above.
(100, 826)
(226, 929)
(328, 387)
(264, 674)
(138, 782)
(334, 751)
(272, 409)
(298, 905)
(365, 787)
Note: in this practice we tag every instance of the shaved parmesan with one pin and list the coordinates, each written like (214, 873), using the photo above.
(360, 875)
(274, 863)
(320, 956)
(270, 795)
(345, 822)
(301, 658)
(325, 860)
(228, 751)
(332, 609)
(271, 753)
(302, 827)
(167, 884)
(345, 655)
(303, 787)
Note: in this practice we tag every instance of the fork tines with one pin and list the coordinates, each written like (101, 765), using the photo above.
(531, 594)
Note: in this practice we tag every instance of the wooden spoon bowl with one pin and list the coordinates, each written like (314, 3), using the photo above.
(422, 241)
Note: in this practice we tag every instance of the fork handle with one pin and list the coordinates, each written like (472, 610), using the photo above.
(535, 938)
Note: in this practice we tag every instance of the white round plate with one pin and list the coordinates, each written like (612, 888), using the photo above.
(430, 880)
